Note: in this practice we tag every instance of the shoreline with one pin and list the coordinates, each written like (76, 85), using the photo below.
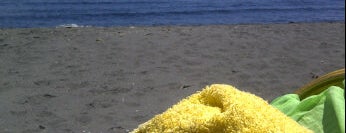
(110, 79)
(177, 25)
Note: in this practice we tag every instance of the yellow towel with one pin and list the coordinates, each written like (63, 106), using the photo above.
(221, 109)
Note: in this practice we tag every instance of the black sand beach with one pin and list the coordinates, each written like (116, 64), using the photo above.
(102, 80)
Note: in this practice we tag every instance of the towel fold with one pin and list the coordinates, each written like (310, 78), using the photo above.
(221, 108)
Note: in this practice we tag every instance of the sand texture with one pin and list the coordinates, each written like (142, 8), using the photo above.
(100, 80)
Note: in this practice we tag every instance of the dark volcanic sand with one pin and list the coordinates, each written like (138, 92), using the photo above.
(112, 79)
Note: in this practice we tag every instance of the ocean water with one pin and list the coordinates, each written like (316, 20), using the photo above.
(52, 13)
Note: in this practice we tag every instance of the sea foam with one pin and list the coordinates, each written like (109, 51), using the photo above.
(71, 25)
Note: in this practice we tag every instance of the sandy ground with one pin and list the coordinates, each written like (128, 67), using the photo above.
(103, 80)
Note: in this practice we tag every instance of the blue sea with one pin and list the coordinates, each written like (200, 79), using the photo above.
(105, 13)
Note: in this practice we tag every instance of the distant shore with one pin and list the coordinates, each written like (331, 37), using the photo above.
(98, 79)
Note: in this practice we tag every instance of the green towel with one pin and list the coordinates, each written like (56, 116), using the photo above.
(321, 113)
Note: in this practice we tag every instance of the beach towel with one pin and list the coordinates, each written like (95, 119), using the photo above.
(221, 108)
(322, 113)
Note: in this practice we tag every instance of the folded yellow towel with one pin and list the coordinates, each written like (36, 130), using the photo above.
(221, 109)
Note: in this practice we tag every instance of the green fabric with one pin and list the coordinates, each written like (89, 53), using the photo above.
(321, 113)
(334, 111)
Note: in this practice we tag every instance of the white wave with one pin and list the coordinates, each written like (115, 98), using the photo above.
(71, 26)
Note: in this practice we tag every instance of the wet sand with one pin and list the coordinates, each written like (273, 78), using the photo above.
(94, 79)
